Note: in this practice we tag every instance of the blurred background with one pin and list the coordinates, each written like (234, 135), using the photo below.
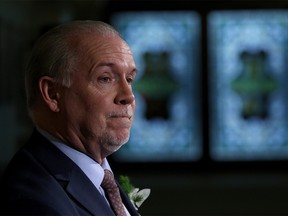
(210, 135)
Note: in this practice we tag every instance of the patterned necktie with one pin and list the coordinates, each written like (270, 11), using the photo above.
(112, 193)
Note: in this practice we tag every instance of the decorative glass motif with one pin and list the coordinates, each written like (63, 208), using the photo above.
(165, 46)
(248, 82)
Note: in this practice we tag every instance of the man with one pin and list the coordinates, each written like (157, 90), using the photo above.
(79, 95)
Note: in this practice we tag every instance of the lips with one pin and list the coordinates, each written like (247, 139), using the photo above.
(121, 114)
(121, 120)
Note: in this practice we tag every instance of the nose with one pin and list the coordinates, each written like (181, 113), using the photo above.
(124, 95)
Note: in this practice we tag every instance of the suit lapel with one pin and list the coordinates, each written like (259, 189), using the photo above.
(126, 201)
(82, 190)
(76, 183)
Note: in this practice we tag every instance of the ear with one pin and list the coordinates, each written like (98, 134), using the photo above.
(49, 92)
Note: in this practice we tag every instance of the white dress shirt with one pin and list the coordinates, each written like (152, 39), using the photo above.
(93, 170)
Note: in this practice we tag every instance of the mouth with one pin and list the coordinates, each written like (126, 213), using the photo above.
(125, 114)
(121, 116)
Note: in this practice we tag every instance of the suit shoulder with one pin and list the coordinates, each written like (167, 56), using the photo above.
(27, 186)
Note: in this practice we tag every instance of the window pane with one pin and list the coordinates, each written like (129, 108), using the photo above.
(248, 78)
(165, 47)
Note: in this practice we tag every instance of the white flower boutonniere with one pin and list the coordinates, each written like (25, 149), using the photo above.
(136, 196)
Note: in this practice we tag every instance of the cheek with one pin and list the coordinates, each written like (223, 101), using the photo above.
(86, 103)
(95, 108)
(78, 105)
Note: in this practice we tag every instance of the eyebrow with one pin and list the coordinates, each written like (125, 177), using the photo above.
(106, 64)
(134, 71)
(109, 64)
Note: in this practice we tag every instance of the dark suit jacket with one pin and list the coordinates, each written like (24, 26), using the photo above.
(41, 180)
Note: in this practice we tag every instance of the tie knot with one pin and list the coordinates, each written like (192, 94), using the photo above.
(108, 182)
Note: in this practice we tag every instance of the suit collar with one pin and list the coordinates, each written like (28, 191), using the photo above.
(68, 174)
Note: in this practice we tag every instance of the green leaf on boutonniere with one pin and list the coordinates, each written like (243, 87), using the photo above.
(137, 197)
(125, 184)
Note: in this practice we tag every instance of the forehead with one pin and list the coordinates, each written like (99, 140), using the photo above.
(109, 51)
(99, 47)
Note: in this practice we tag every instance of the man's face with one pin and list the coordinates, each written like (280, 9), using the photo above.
(99, 105)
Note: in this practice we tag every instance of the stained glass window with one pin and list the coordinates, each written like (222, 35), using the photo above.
(248, 82)
(166, 51)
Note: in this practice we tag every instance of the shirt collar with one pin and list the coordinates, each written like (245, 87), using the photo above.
(93, 170)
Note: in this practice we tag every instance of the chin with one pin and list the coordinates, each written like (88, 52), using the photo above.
(113, 142)
(122, 138)
(113, 147)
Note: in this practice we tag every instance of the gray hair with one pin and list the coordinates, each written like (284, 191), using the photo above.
(54, 54)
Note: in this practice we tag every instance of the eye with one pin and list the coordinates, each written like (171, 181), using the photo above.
(130, 80)
(105, 79)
